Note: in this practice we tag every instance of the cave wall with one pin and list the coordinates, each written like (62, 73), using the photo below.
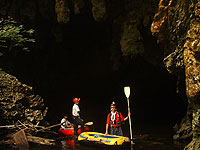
(57, 25)
(176, 25)
(18, 102)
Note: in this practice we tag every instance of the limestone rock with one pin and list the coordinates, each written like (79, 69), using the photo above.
(99, 9)
(18, 101)
(179, 22)
(62, 11)
(131, 39)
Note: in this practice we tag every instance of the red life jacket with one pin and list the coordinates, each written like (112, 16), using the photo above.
(117, 121)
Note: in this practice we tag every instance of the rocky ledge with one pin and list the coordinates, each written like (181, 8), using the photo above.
(18, 102)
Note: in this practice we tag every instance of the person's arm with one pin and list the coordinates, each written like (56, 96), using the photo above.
(73, 110)
(107, 124)
(78, 110)
(62, 122)
(127, 116)
(68, 126)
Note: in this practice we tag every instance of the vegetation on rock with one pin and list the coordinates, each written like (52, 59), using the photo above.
(13, 35)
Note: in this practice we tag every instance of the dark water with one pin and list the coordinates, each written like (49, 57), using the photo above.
(158, 138)
(153, 143)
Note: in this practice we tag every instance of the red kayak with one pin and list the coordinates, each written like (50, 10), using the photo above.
(70, 131)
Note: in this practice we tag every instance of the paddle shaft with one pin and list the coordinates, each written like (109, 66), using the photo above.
(129, 119)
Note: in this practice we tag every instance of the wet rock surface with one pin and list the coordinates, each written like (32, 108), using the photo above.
(18, 102)
(180, 18)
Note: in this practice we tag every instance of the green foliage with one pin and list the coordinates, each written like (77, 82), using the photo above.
(14, 35)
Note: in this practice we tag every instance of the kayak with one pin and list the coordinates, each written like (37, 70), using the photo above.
(70, 131)
(102, 139)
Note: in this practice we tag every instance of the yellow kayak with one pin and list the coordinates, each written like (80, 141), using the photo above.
(100, 138)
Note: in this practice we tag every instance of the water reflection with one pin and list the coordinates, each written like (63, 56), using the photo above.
(68, 144)
(142, 142)
(71, 144)
(149, 142)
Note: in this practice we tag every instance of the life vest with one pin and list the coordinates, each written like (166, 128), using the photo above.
(117, 122)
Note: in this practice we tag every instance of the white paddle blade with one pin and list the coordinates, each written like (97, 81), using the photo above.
(127, 91)
(89, 123)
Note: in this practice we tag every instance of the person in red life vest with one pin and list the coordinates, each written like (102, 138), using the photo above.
(114, 120)
(76, 117)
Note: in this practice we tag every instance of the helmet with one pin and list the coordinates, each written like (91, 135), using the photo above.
(113, 105)
(76, 100)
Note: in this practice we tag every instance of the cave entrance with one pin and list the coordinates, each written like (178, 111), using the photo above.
(81, 69)
(155, 105)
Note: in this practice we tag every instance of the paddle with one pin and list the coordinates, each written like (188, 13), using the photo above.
(88, 123)
(127, 93)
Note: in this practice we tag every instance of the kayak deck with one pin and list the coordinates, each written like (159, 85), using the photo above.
(96, 138)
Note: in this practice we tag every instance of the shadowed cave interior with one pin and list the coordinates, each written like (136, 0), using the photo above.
(79, 66)
(154, 102)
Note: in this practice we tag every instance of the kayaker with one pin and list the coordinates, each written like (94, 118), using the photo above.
(65, 124)
(114, 120)
(76, 117)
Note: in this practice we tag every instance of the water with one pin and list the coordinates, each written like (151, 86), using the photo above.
(154, 143)
(144, 140)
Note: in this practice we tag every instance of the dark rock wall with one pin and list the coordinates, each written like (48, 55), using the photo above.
(176, 25)
(18, 102)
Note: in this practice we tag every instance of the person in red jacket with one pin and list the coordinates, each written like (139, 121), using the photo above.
(114, 120)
